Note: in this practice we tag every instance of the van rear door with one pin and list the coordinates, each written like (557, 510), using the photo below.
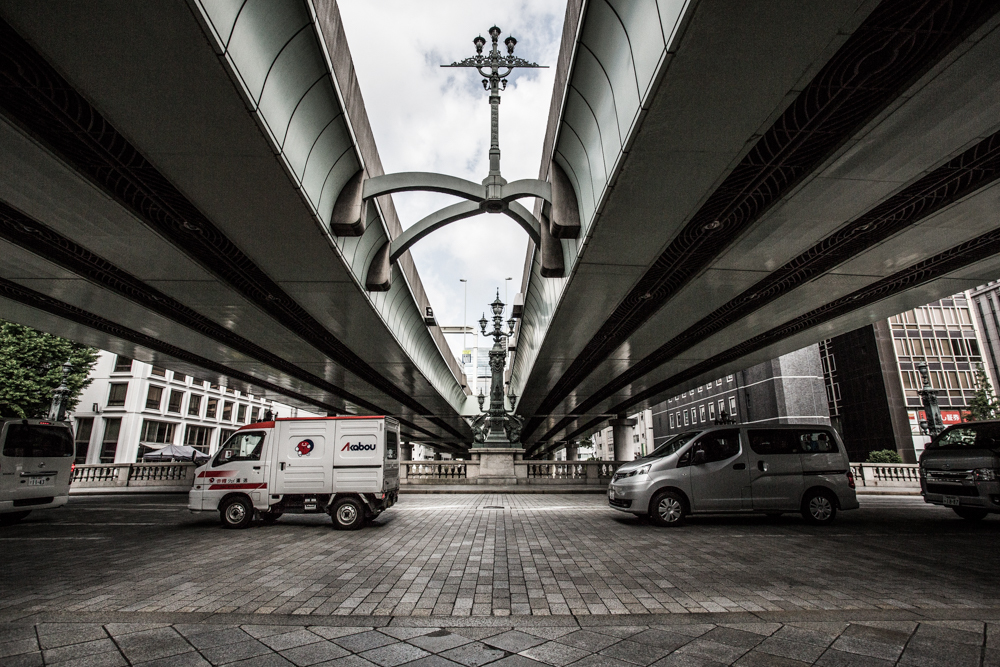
(36, 461)
(390, 469)
(360, 455)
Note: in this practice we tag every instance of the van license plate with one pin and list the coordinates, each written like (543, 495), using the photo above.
(951, 501)
(35, 481)
(611, 494)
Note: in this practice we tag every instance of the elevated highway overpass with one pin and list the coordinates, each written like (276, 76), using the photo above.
(752, 178)
(183, 182)
(180, 183)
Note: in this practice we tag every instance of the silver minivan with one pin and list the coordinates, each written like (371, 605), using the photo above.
(36, 464)
(765, 469)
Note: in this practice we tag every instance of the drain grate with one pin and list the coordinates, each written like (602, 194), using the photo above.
(494, 507)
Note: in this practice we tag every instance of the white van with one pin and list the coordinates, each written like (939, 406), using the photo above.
(346, 467)
(36, 466)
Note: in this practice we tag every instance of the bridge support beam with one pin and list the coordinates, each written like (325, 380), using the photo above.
(621, 431)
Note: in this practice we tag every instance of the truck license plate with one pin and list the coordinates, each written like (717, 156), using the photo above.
(951, 501)
(36, 481)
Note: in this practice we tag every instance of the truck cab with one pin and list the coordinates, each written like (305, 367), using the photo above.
(346, 467)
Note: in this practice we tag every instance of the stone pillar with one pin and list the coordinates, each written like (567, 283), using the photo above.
(572, 451)
(550, 456)
(437, 456)
(406, 451)
(621, 431)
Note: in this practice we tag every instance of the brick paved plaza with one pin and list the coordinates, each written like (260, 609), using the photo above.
(498, 579)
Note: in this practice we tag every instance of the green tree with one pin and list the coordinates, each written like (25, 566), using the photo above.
(31, 370)
(984, 404)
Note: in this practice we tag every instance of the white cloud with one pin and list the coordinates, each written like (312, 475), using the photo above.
(428, 118)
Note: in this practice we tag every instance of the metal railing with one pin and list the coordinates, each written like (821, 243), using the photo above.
(583, 471)
(886, 474)
(145, 476)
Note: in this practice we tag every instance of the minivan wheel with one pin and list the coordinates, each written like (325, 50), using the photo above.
(667, 509)
(971, 513)
(10, 518)
(348, 514)
(236, 513)
(818, 508)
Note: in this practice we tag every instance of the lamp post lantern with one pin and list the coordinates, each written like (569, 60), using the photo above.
(496, 426)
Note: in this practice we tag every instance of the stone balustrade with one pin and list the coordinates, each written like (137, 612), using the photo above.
(886, 475)
(110, 477)
(596, 473)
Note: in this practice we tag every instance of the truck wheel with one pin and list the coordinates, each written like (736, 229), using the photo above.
(270, 517)
(348, 514)
(971, 513)
(818, 508)
(236, 513)
(667, 509)
(11, 518)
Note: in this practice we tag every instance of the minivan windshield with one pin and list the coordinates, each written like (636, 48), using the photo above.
(672, 446)
(985, 435)
(36, 440)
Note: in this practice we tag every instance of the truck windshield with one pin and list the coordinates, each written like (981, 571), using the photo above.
(241, 447)
(36, 441)
(985, 436)
(671, 446)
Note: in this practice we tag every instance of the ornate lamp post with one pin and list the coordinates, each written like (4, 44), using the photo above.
(57, 410)
(496, 427)
(933, 424)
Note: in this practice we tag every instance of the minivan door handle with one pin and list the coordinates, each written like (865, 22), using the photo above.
(256, 467)
(739, 466)
(762, 466)
(282, 465)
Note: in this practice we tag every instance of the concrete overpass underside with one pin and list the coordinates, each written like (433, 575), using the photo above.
(178, 185)
(753, 178)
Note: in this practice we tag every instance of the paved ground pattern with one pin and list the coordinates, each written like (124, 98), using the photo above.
(796, 644)
(498, 579)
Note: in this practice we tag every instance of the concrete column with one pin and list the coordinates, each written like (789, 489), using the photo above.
(437, 456)
(572, 452)
(621, 432)
(406, 451)
(550, 456)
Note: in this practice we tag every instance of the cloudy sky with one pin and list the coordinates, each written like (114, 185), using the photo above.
(426, 118)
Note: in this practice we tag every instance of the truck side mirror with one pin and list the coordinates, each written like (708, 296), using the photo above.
(699, 457)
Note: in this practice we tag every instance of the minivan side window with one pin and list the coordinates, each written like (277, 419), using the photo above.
(816, 442)
(771, 442)
(968, 435)
(241, 447)
(719, 445)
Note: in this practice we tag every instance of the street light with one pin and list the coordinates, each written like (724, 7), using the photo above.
(465, 316)
(506, 281)
(496, 427)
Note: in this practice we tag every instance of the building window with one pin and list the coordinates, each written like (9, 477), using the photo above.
(711, 411)
(211, 407)
(159, 371)
(732, 406)
(174, 404)
(197, 382)
(84, 427)
(701, 411)
(153, 397)
(199, 437)
(241, 414)
(224, 434)
(729, 378)
(180, 377)
(212, 385)
(155, 433)
(116, 394)
(718, 383)
(700, 389)
(687, 419)
(194, 405)
(671, 421)
(109, 443)
(722, 407)
(123, 364)
(253, 415)
(227, 411)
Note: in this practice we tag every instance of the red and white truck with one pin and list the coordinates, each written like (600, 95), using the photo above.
(346, 467)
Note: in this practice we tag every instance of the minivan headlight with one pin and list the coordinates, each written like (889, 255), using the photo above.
(985, 474)
(644, 469)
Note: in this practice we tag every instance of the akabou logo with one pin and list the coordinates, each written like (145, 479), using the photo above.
(305, 447)
(358, 447)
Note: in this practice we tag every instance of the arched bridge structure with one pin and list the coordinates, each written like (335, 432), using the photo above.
(752, 178)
